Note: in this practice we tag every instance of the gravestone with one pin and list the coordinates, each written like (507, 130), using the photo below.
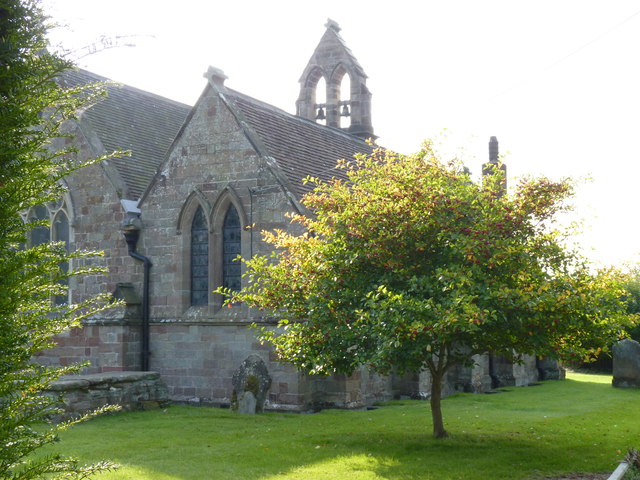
(252, 376)
(247, 403)
(626, 364)
(550, 369)
(501, 371)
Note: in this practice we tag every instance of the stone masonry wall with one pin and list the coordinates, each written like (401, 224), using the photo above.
(197, 348)
(107, 348)
(130, 390)
(197, 362)
(110, 340)
(95, 219)
(211, 165)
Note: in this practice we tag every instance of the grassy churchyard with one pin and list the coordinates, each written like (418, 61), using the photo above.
(578, 425)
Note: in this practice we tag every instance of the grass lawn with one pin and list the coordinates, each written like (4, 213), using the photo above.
(578, 425)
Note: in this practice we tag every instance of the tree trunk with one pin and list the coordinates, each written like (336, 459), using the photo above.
(436, 408)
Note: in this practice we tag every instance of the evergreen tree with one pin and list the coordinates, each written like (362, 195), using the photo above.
(32, 109)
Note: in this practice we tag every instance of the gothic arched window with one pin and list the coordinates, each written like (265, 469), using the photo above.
(55, 228)
(199, 259)
(231, 235)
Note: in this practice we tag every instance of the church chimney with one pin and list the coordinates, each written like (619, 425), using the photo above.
(494, 162)
(493, 150)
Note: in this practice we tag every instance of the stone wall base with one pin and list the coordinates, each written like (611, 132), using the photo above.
(131, 390)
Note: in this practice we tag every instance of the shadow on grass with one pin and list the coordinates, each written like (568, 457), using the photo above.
(559, 427)
(286, 447)
(465, 456)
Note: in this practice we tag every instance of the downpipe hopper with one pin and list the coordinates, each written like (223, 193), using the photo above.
(131, 227)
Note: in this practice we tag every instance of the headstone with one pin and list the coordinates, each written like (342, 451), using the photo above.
(253, 376)
(501, 371)
(480, 374)
(550, 369)
(626, 364)
(247, 403)
(525, 371)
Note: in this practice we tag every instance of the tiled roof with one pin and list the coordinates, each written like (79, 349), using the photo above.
(147, 124)
(132, 119)
(299, 146)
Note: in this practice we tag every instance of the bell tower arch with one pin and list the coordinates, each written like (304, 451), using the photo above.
(332, 60)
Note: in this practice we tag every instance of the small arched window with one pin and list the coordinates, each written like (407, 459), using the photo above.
(199, 259)
(231, 248)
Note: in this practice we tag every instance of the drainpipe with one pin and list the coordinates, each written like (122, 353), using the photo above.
(131, 227)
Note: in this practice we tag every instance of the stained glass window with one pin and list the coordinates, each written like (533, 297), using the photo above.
(231, 233)
(199, 259)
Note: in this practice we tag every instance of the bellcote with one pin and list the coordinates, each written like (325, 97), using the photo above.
(332, 61)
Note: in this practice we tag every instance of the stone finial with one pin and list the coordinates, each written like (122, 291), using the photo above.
(333, 25)
(215, 76)
(493, 150)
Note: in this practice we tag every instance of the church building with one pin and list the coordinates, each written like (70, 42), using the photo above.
(200, 184)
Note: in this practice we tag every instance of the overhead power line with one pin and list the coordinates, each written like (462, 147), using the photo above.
(569, 55)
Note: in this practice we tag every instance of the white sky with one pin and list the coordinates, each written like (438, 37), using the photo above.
(557, 81)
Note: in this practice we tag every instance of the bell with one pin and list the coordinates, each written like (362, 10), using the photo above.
(345, 110)
(320, 115)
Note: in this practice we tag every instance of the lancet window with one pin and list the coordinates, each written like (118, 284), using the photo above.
(231, 248)
(199, 259)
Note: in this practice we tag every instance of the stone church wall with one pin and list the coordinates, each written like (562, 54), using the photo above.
(197, 362)
(196, 349)
(95, 223)
(110, 341)
(107, 348)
